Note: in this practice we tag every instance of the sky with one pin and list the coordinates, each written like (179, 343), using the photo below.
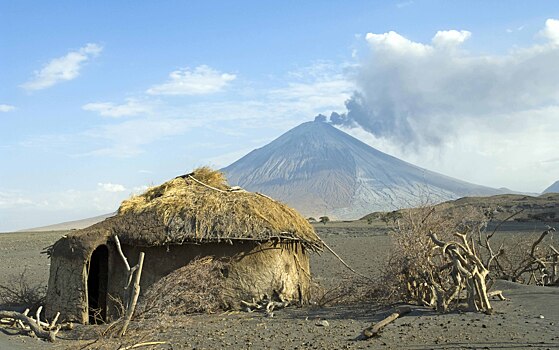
(101, 99)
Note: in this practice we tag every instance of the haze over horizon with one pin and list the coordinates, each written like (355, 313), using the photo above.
(100, 100)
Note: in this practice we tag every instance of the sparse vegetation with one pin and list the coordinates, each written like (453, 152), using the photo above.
(435, 261)
(444, 257)
(324, 219)
(18, 291)
(529, 260)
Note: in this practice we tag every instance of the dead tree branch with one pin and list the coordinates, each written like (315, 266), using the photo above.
(374, 330)
(135, 295)
(35, 327)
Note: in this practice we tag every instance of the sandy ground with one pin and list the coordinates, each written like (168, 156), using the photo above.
(529, 319)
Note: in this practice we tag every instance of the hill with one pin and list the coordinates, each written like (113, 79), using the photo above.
(544, 208)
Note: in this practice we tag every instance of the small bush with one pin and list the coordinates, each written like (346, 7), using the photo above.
(18, 291)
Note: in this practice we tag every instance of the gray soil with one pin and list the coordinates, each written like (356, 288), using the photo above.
(529, 319)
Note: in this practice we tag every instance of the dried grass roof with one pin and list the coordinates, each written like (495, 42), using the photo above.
(201, 207)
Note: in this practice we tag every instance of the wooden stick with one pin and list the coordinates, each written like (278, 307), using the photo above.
(21, 323)
(205, 185)
(251, 305)
(135, 295)
(39, 332)
(375, 329)
(119, 249)
(53, 323)
(38, 315)
(135, 346)
(497, 293)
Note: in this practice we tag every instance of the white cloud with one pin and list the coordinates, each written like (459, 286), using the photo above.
(396, 44)
(132, 107)
(199, 81)
(110, 187)
(62, 68)
(450, 37)
(551, 30)
(6, 108)
(298, 97)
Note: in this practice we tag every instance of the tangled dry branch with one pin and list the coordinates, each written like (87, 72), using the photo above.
(25, 323)
(436, 261)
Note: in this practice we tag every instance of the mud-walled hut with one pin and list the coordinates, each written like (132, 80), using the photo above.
(191, 216)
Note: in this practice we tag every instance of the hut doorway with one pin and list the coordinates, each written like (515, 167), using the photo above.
(97, 280)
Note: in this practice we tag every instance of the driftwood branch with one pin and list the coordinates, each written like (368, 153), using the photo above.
(374, 330)
(139, 345)
(54, 320)
(49, 335)
(496, 293)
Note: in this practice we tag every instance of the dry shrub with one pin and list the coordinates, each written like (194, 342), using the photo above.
(18, 291)
(531, 258)
(194, 288)
(421, 271)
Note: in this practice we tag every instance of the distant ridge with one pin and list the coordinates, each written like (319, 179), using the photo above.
(319, 170)
(70, 225)
(553, 188)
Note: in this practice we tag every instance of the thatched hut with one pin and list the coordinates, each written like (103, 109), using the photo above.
(194, 215)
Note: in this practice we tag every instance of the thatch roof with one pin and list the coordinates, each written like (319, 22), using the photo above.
(201, 207)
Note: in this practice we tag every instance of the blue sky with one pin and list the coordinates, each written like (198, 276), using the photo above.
(100, 99)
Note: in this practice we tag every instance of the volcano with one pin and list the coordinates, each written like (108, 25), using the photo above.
(320, 170)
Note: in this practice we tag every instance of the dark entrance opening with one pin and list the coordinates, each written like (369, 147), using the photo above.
(97, 281)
